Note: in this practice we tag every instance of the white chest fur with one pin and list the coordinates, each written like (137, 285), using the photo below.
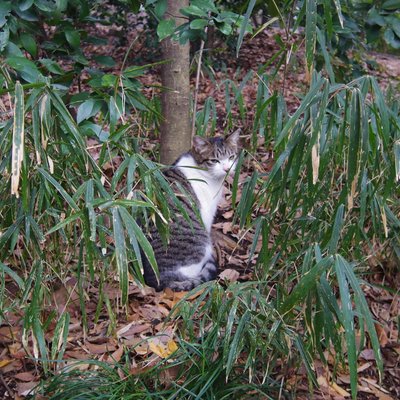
(207, 189)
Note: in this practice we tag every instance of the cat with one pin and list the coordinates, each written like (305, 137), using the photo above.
(187, 260)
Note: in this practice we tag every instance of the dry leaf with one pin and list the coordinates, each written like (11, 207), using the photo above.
(99, 348)
(339, 390)
(3, 363)
(382, 335)
(25, 376)
(161, 349)
(230, 275)
(26, 388)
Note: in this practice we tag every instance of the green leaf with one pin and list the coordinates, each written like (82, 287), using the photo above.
(51, 66)
(348, 323)
(206, 5)
(60, 336)
(244, 25)
(69, 124)
(165, 28)
(5, 11)
(24, 5)
(224, 28)
(120, 252)
(29, 44)
(237, 342)
(6, 269)
(311, 24)
(306, 284)
(339, 12)
(363, 309)
(336, 229)
(4, 37)
(391, 38)
(105, 60)
(25, 67)
(160, 8)
(108, 80)
(46, 5)
(193, 11)
(391, 5)
(354, 152)
(72, 218)
(396, 151)
(59, 188)
(18, 139)
(73, 38)
(198, 24)
(91, 129)
(134, 231)
(87, 109)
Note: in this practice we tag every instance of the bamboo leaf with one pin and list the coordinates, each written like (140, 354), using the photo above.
(364, 310)
(65, 222)
(306, 283)
(354, 152)
(236, 347)
(18, 139)
(59, 188)
(336, 229)
(6, 269)
(311, 27)
(135, 233)
(59, 342)
(396, 150)
(348, 322)
(120, 251)
(244, 25)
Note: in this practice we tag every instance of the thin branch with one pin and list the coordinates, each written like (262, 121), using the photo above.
(3, 381)
(196, 89)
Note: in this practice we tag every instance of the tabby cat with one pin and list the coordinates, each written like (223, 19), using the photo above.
(187, 260)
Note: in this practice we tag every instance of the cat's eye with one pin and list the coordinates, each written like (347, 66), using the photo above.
(232, 157)
(213, 161)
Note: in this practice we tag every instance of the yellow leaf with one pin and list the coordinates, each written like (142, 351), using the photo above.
(3, 363)
(161, 349)
(172, 346)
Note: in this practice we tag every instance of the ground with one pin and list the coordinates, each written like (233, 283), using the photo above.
(106, 339)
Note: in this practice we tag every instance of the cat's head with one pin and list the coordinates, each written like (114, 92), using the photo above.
(217, 155)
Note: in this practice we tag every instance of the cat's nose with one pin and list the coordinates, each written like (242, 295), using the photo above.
(227, 168)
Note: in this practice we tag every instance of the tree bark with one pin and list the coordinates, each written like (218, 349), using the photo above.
(175, 126)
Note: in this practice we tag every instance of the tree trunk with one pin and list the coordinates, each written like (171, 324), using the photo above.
(175, 126)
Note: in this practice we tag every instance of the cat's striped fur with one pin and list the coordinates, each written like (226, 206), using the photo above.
(187, 260)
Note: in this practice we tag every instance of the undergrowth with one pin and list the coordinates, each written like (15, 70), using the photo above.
(73, 189)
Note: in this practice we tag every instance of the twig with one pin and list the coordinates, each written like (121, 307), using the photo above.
(196, 89)
(10, 392)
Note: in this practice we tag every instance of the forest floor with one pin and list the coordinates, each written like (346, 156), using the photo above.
(147, 309)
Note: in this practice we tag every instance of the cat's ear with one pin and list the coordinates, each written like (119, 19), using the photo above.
(200, 144)
(233, 138)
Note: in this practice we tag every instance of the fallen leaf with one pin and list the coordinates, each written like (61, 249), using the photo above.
(161, 349)
(133, 329)
(382, 335)
(99, 348)
(3, 363)
(117, 355)
(26, 388)
(230, 275)
(339, 390)
(367, 354)
(25, 376)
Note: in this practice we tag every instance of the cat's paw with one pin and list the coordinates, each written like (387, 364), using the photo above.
(184, 286)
